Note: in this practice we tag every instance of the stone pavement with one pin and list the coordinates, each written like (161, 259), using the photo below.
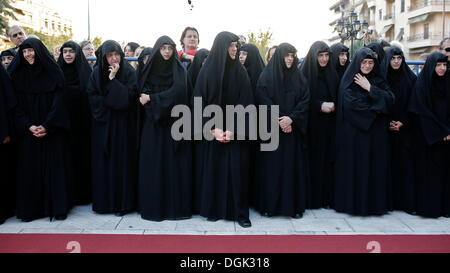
(82, 220)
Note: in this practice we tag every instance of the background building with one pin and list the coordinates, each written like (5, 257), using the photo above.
(35, 15)
(418, 25)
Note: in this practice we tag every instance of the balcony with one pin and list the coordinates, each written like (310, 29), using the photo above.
(434, 5)
(389, 17)
(424, 39)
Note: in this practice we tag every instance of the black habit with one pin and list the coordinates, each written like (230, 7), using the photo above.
(224, 174)
(7, 153)
(165, 165)
(401, 82)
(430, 104)
(323, 85)
(114, 155)
(337, 49)
(282, 175)
(362, 142)
(77, 76)
(43, 171)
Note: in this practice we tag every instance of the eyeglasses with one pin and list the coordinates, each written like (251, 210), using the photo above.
(17, 34)
(447, 49)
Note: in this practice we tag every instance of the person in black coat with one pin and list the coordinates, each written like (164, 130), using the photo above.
(77, 72)
(165, 165)
(323, 85)
(380, 54)
(224, 160)
(113, 101)
(7, 156)
(401, 79)
(42, 123)
(430, 104)
(340, 59)
(362, 139)
(282, 175)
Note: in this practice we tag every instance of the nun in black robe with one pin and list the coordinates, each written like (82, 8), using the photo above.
(77, 76)
(114, 154)
(197, 64)
(337, 49)
(430, 104)
(193, 72)
(42, 126)
(7, 144)
(165, 165)
(401, 82)
(224, 176)
(254, 65)
(323, 85)
(378, 49)
(141, 61)
(282, 175)
(362, 141)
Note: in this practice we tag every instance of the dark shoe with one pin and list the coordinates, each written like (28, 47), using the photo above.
(2, 221)
(121, 214)
(61, 217)
(245, 223)
(213, 219)
(410, 212)
(265, 214)
(299, 216)
(28, 220)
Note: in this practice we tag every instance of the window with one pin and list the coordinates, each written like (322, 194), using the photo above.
(403, 6)
(426, 31)
(380, 14)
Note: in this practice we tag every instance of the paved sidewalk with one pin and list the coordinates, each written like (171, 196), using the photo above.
(82, 220)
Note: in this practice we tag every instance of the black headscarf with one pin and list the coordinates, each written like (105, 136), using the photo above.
(254, 63)
(212, 78)
(126, 74)
(401, 82)
(160, 72)
(337, 49)
(376, 47)
(278, 80)
(8, 52)
(146, 52)
(428, 89)
(77, 72)
(44, 71)
(133, 46)
(312, 71)
(197, 64)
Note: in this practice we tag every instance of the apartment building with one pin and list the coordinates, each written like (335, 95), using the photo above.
(418, 24)
(34, 14)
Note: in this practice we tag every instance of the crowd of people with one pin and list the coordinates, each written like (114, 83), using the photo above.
(364, 136)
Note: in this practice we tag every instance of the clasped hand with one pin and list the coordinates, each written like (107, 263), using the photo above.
(286, 124)
(221, 136)
(395, 126)
(38, 131)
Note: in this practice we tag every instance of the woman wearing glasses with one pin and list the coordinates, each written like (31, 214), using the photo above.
(362, 137)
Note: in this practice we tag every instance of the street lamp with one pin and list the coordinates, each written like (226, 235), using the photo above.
(349, 27)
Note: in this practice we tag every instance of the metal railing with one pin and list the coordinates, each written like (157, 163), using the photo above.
(410, 63)
(425, 36)
(426, 3)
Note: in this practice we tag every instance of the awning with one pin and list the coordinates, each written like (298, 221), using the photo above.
(358, 9)
(400, 35)
(418, 51)
(418, 19)
(386, 29)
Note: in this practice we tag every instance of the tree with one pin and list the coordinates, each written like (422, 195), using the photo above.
(98, 41)
(49, 41)
(5, 14)
(262, 40)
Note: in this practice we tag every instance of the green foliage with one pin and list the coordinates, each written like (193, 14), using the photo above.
(262, 40)
(98, 41)
(49, 41)
(5, 13)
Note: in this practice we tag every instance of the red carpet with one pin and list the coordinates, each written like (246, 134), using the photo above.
(33, 243)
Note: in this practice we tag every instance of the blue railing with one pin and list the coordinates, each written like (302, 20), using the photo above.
(416, 63)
